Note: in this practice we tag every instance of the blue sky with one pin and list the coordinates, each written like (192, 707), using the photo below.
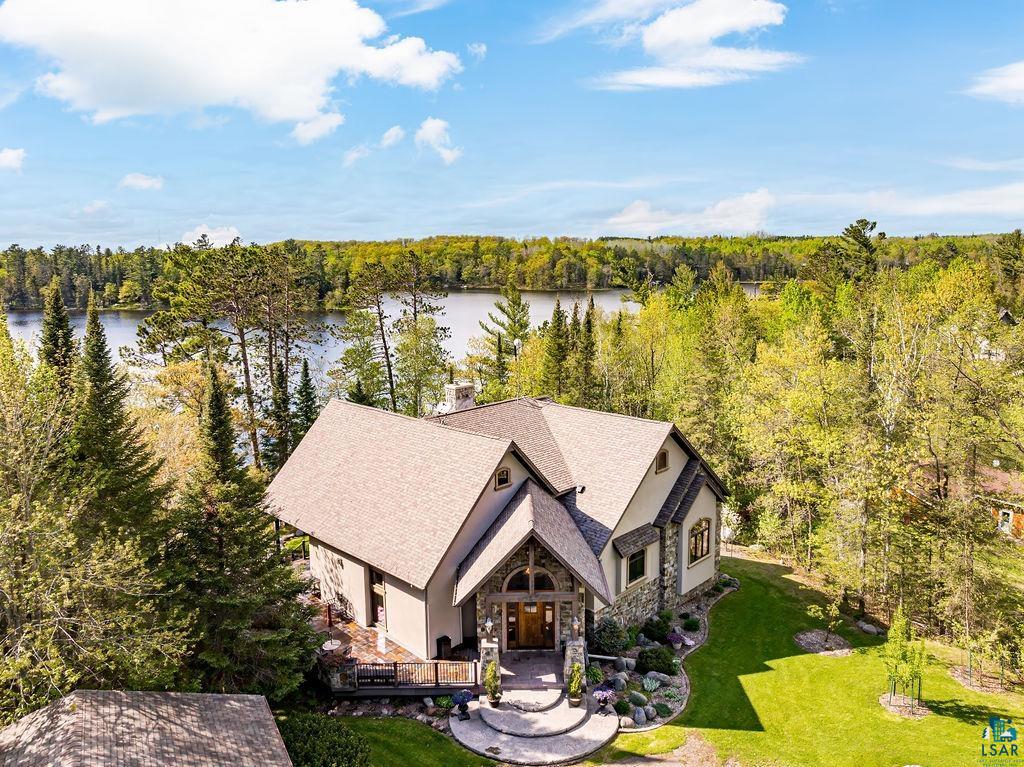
(145, 123)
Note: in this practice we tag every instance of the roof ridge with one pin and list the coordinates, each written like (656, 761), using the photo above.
(414, 419)
(549, 402)
(524, 399)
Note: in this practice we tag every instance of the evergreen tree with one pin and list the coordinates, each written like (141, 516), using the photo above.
(278, 442)
(512, 320)
(307, 407)
(358, 395)
(109, 452)
(57, 340)
(556, 348)
(251, 634)
(583, 362)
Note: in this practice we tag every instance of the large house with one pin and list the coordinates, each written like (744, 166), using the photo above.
(522, 520)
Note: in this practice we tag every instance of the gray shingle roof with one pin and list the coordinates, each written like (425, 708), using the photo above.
(635, 539)
(146, 729)
(521, 420)
(385, 488)
(675, 495)
(532, 511)
(691, 495)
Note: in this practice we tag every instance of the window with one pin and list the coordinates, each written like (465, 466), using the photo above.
(636, 566)
(378, 600)
(543, 582)
(502, 478)
(519, 582)
(1006, 520)
(661, 462)
(700, 540)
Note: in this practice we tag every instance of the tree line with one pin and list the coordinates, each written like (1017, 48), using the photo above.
(141, 277)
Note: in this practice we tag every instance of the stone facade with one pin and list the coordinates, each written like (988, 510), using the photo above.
(564, 582)
(634, 605)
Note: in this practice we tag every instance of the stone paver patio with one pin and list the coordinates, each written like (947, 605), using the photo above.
(368, 645)
(531, 670)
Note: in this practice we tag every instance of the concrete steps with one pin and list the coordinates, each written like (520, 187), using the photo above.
(558, 734)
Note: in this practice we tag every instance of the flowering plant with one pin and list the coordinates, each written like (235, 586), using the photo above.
(675, 638)
(462, 697)
(604, 696)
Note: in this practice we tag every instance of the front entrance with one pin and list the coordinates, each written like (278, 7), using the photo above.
(531, 625)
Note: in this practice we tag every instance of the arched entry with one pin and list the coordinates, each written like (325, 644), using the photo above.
(531, 622)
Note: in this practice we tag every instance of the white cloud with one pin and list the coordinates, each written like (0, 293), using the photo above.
(543, 187)
(419, 6)
(312, 130)
(433, 133)
(477, 50)
(95, 207)
(142, 181)
(356, 153)
(392, 136)
(277, 59)
(733, 215)
(12, 159)
(1004, 200)
(218, 235)
(1002, 84)
(1014, 165)
(603, 13)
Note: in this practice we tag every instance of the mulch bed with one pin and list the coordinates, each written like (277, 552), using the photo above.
(900, 705)
(814, 641)
(978, 681)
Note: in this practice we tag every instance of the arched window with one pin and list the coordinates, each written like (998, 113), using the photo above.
(520, 579)
(700, 539)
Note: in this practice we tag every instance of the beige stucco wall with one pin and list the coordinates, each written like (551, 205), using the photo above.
(406, 615)
(343, 580)
(692, 576)
(444, 619)
(642, 509)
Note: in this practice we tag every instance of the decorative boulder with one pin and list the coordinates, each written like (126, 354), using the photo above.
(638, 698)
(868, 628)
(626, 722)
(650, 713)
(642, 640)
(639, 717)
(663, 678)
(618, 683)
(428, 702)
(620, 664)
(630, 664)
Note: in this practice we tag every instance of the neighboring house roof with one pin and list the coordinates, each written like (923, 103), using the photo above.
(521, 420)
(636, 539)
(145, 729)
(390, 490)
(532, 511)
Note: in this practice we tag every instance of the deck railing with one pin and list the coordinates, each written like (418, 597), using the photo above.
(438, 673)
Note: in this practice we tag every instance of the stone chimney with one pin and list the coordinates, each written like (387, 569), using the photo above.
(458, 396)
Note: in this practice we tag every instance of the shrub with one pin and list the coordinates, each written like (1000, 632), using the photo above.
(691, 624)
(684, 615)
(671, 693)
(660, 659)
(623, 707)
(594, 674)
(656, 629)
(631, 634)
(444, 702)
(492, 680)
(718, 588)
(665, 616)
(318, 740)
(650, 685)
(608, 637)
(576, 681)
(662, 710)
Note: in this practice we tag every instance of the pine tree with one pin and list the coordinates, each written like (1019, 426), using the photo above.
(556, 346)
(583, 361)
(278, 441)
(57, 341)
(307, 406)
(359, 396)
(109, 452)
(251, 634)
(512, 320)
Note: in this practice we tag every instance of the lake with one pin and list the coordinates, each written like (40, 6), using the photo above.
(463, 311)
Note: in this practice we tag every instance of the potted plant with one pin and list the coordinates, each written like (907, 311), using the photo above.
(461, 699)
(576, 684)
(676, 640)
(492, 683)
(604, 698)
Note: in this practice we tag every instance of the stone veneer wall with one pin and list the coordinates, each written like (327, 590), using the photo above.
(542, 558)
(634, 605)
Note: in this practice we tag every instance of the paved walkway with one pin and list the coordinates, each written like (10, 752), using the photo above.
(591, 733)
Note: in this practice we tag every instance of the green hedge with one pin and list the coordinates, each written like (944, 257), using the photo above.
(318, 740)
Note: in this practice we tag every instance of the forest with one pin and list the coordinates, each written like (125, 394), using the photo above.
(139, 278)
(858, 410)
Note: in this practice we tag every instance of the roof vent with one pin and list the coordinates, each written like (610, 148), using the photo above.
(580, 489)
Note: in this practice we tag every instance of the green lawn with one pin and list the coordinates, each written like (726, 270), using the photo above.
(757, 697)
(404, 743)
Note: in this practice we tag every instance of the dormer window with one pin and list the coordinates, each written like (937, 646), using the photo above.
(502, 478)
(661, 462)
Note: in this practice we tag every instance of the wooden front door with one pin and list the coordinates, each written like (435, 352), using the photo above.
(535, 625)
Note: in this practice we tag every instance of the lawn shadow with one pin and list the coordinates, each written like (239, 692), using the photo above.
(968, 713)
